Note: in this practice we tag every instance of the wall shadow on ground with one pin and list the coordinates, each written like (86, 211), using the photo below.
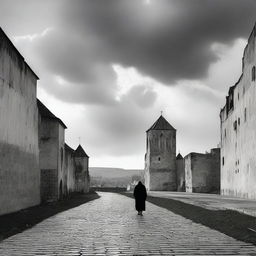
(108, 189)
(231, 223)
(13, 223)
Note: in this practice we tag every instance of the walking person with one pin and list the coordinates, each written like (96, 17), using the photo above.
(140, 195)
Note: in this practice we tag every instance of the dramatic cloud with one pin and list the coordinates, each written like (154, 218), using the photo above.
(166, 40)
(108, 69)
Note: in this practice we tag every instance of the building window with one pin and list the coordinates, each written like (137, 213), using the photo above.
(235, 125)
(159, 158)
(253, 73)
(223, 160)
(230, 101)
(225, 133)
(245, 115)
(238, 96)
(238, 120)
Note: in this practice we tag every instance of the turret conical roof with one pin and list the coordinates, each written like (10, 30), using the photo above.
(179, 156)
(161, 124)
(79, 152)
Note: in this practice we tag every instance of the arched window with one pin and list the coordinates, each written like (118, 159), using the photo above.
(253, 73)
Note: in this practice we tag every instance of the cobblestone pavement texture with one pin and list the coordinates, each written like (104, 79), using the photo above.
(110, 226)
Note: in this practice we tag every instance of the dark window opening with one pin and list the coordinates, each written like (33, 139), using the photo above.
(245, 115)
(159, 158)
(60, 190)
(238, 120)
(253, 73)
(235, 125)
(230, 102)
(223, 160)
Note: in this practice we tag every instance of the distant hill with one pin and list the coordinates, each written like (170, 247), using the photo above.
(113, 177)
(112, 172)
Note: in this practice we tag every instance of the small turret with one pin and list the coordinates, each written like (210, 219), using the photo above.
(82, 178)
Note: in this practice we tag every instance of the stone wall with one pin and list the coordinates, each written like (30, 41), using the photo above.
(51, 145)
(82, 179)
(180, 165)
(202, 172)
(49, 185)
(48, 158)
(238, 132)
(188, 172)
(62, 179)
(19, 158)
(69, 169)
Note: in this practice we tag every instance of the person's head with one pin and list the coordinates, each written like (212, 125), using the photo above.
(140, 183)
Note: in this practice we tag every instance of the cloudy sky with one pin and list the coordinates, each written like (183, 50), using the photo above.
(108, 68)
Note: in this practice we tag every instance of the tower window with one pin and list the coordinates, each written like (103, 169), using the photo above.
(253, 73)
(159, 158)
(235, 125)
(223, 160)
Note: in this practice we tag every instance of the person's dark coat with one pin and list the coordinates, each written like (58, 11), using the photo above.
(140, 195)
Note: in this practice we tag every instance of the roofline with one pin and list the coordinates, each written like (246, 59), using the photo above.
(253, 31)
(161, 129)
(52, 117)
(86, 155)
(156, 129)
(16, 50)
(68, 147)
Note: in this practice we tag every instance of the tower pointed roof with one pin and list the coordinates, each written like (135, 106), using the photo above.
(79, 152)
(179, 156)
(161, 124)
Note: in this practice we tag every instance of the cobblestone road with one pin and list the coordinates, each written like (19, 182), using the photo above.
(110, 226)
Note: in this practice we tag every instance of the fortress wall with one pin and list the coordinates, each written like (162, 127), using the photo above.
(19, 154)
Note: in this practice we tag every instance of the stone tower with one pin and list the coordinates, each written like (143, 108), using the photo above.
(82, 178)
(160, 158)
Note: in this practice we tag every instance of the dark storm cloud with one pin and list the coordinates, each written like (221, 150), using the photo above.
(167, 40)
